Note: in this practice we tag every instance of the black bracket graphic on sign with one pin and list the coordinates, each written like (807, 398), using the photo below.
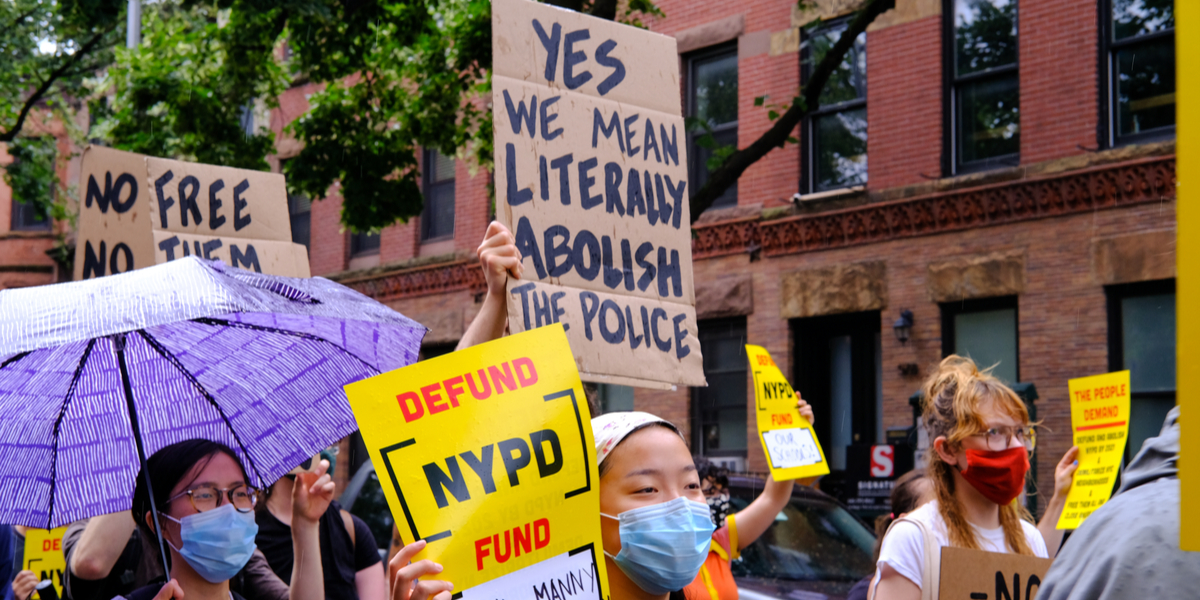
(757, 395)
(587, 469)
(412, 524)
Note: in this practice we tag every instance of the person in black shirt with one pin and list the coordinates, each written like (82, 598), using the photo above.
(349, 554)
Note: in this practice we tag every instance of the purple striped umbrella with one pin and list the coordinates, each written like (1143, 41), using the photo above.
(96, 375)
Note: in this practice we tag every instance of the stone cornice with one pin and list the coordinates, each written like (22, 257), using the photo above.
(1109, 186)
(1127, 183)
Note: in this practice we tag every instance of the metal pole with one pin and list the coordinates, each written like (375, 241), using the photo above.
(119, 343)
(133, 24)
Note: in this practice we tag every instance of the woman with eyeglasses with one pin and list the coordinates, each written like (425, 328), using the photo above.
(206, 515)
(981, 437)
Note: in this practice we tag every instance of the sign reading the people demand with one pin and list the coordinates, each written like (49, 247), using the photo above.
(139, 211)
(972, 574)
(487, 455)
(788, 438)
(44, 555)
(1100, 420)
(591, 176)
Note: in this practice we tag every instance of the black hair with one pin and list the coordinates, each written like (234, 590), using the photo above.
(707, 469)
(167, 468)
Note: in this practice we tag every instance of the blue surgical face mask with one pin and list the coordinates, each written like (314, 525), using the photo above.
(664, 545)
(217, 543)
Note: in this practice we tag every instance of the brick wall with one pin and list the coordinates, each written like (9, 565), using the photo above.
(1058, 70)
(330, 246)
(904, 103)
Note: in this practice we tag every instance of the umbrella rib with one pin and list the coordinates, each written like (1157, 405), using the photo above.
(158, 347)
(62, 412)
(299, 334)
(14, 358)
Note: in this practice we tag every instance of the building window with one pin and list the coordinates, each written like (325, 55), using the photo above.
(1141, 338)
(614, 398)
(1138, 38)
(984, 129)
(300, 215)
(838, 369)
(27, 217)
(984, 331)
(712, 98)
(437, 220)
(836, 133)
(719, 410)
(364, 244)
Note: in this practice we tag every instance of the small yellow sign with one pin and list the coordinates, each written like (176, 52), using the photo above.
(44, 555)
(1100, 420)
(487, 455)
(788, 438)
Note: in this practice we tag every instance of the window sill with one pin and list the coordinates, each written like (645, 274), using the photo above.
(363, 261)
(829, 194)
(436, 246)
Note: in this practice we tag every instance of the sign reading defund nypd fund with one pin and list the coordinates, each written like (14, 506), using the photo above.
(487, 455)
(591, 176)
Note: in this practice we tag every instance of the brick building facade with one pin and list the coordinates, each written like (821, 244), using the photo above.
(1026, 259)
(1019, 200)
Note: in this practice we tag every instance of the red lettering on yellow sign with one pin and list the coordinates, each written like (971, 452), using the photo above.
(781, 419)
(515, 541)
(1104, 412)
(482, 384)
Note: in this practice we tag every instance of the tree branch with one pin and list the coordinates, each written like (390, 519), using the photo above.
(809, 100)
(41, 90)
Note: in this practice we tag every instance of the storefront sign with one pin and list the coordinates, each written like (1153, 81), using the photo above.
(591, 177)
(788, 438)
(139, 211)
(1100, 420)
(487, 454)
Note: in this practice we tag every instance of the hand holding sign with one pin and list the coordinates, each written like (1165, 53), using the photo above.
(405, 574)
(784, 427)
(1100, 419)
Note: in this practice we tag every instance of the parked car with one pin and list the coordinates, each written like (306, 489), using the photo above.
(815, 550)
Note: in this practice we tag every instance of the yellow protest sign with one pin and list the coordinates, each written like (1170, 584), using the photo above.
(1100, 420)
(1187, 260)
(487, 455)
(788, 438)
(44, 555)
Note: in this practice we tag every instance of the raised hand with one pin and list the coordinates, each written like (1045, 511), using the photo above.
(1064, 473)
(500, 258)
(404, 576)
(805, 409)
(312, 493)
(23, 585)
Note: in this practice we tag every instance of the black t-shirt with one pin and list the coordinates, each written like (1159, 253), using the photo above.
(341, 557)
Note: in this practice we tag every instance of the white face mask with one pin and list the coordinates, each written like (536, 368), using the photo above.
(664, 545)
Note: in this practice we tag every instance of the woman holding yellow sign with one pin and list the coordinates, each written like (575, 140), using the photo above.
(981, 438)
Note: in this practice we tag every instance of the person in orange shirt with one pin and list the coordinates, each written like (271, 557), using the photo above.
(735, 532)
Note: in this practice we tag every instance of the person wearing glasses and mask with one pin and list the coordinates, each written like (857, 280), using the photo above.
(206, 517)
(981, 439)
(349, 554)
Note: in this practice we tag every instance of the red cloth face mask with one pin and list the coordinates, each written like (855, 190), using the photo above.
(999, 476)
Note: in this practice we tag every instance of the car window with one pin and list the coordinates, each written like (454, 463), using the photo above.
(810, 540)
(371, 506)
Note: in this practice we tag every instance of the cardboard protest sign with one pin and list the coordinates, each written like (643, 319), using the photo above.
(1100, 421)
(44, 555)
(487, 454)
(140, 211)
(788, 438)
(978, 575)
(591, 177)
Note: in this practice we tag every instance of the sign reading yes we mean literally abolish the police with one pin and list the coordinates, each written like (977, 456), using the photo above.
(487, 455)
(591, 176)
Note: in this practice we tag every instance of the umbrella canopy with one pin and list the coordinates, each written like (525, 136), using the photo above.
(96, 375)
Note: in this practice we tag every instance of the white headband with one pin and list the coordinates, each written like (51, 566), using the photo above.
(609, 429)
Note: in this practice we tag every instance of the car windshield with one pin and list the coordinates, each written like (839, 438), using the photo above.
(810, 540)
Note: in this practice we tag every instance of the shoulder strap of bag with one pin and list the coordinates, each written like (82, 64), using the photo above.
(932, 572)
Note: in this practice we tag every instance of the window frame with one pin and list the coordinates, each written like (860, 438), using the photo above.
(1106, 125)
(1113, 295)
(808, 133)
(428, 156)
(23, 210)
(357, 240)
(951, 99)
(689, 61)
(704, 329)
(292, 198)
(949, 310)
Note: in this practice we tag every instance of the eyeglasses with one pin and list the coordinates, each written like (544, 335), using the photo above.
(207, 497)
(997, 437)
